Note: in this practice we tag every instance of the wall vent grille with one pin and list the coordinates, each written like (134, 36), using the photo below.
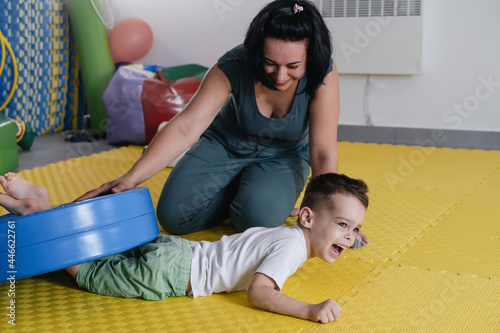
(371, 8)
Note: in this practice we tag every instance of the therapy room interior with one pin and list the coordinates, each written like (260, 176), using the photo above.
(419, 122)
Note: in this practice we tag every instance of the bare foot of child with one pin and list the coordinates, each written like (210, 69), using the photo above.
(19, 207)
(19, 188)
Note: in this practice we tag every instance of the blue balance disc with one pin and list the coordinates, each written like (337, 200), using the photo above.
(75, 233)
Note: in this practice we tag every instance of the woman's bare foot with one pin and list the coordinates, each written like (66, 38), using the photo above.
(19, 188)
(20, 207)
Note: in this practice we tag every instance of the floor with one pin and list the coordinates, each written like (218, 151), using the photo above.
(52, 148)
(432, 264)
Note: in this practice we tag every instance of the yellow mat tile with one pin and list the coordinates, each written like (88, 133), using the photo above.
(405, 299)
(490, 185)
(454, 169)
(395, 217)
(466, 241)
(413, 166)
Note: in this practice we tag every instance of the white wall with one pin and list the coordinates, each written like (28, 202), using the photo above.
(189, 31)
(461, 53)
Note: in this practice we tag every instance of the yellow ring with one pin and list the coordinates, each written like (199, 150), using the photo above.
(4, 43)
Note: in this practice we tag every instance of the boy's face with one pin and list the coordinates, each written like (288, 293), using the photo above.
(333, 230)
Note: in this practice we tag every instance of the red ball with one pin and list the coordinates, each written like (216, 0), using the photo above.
(130, 40)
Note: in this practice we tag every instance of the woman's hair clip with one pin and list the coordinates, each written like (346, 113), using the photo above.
(297, 9)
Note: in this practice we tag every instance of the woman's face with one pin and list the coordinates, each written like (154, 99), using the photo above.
(285, 62)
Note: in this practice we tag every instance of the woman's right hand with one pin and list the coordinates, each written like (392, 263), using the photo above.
(115, 186)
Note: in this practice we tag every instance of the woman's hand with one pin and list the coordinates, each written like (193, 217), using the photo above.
(115, 186)
(363, 237)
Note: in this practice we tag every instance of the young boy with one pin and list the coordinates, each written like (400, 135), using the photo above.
(258, 260)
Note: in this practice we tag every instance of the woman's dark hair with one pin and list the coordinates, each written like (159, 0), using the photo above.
(277, 20)
(320, 190)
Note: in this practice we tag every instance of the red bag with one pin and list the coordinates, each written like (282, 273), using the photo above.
(163, 99)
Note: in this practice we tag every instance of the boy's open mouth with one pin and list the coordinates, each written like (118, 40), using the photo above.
(337, 249)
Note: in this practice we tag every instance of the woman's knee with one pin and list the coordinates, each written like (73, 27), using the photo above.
(183, 217)
(176, 219)
(169, 220)
(259, 212)
(257, 219)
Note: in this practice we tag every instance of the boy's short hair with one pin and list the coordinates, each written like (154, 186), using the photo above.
(321, 188)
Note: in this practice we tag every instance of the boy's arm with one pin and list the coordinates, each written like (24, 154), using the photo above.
(264, 294)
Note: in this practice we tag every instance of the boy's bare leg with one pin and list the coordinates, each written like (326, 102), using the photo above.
(19, 188)
(73, 270)
(20, 207)
(24, 198)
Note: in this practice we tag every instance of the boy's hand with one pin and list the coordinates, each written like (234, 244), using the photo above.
(325, 312)
(264, 294)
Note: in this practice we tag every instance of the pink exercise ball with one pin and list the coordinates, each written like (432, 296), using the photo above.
(130, 40)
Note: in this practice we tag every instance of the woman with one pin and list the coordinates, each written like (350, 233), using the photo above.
(264, 115)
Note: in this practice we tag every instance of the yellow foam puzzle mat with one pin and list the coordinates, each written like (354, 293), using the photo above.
(432, 264)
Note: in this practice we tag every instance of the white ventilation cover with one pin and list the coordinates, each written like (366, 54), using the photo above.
(375, 36)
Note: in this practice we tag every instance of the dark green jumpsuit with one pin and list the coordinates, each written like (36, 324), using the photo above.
(245, 166)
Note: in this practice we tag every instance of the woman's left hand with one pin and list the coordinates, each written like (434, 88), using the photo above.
(363, 237)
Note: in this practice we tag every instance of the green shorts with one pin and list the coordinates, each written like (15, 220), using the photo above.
(153, 271)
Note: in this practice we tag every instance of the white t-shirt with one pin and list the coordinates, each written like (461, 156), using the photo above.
(230, 263)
